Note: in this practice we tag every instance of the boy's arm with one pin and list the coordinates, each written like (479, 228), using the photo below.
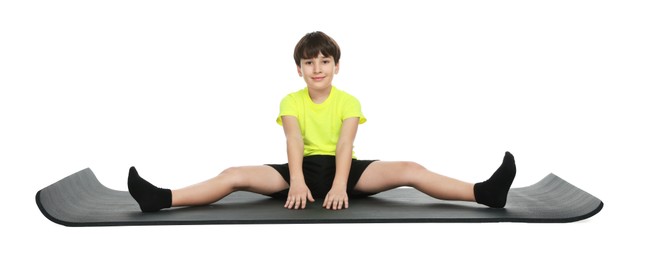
(337, 196)
(298, 192)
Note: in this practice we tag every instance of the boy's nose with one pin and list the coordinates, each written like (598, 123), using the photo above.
(317, 68)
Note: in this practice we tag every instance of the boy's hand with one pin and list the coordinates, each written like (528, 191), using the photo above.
(298, 194)
(336, 199)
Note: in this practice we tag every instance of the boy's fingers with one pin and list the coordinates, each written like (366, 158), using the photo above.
(298, 202)
(336, 204)
(292, 201)
(289, 202)
(326, 204)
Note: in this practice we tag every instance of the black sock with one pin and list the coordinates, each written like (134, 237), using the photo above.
(150, 197)
(493, 192)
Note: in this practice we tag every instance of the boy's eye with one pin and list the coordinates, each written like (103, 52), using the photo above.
(308, 62)
(325, 61)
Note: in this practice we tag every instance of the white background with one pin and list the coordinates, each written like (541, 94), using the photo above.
(184, 89)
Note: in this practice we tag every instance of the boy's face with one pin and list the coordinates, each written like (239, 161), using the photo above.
(318, 72)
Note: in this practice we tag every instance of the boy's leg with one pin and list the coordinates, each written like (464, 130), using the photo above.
(259, 179)
(382, 175)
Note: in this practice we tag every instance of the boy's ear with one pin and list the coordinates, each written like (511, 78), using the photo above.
(299, 70)
(337, 67)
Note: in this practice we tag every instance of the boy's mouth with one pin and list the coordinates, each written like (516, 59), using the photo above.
(317, 78)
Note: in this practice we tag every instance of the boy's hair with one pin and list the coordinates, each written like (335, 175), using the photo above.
(315, 43)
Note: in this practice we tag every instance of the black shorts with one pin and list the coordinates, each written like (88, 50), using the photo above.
(319, 172)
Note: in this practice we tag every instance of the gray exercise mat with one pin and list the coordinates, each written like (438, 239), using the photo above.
(81, 200)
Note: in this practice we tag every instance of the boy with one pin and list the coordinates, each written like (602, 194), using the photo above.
(320, 124)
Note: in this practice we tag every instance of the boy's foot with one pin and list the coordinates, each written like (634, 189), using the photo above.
(150, 197)
(493, 192)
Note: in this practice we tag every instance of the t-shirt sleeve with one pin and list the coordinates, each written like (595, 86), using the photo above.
(353, 109)
(288, 107)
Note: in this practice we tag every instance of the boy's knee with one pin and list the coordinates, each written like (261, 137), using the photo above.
(235, 177)
(412, 167)
(410, 171)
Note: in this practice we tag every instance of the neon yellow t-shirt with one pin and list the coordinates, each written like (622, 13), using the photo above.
(320, 123)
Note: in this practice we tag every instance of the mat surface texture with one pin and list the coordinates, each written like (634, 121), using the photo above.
(81, 200)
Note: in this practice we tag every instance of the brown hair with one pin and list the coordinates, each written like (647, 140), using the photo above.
(315, 43)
